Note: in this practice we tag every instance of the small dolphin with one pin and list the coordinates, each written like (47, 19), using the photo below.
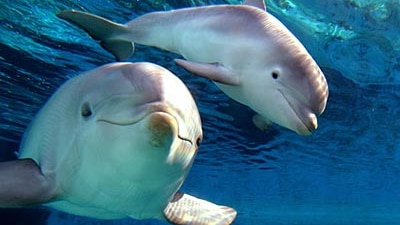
(114, 142)
(247, 52)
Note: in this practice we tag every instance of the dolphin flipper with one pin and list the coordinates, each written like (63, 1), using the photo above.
(212, 71)
(102, 30)
(22, 183)
(261, 123)
(186, 209)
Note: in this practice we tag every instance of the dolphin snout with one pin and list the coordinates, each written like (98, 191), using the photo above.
(317, 102)
(163, 128)
(300, 118)
(309, 124)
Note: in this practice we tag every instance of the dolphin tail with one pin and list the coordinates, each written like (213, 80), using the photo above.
(186, 209)
(22, 184)
(102, 30)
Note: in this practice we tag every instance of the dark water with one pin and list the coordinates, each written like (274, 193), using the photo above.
(348, 172)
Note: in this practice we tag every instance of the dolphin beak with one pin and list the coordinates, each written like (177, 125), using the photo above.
(165, 128)
(309, 124)
(305, 120)
(316, 102)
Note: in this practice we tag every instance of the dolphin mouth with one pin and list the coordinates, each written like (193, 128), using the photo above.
(132, 117)
(308, 120)
(163, 127)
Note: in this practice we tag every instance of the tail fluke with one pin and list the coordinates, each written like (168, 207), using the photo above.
(102, 30)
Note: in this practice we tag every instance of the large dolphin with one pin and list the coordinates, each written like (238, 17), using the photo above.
(114, 142)
(249, 54)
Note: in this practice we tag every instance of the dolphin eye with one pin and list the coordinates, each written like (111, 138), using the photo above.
(275, 74)
(86, 111)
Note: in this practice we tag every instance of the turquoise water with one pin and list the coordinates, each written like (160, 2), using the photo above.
(347, 172)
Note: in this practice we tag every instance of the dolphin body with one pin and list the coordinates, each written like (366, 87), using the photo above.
(247, 52)
(117, 141)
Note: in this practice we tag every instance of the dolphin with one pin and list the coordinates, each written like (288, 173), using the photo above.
(247, 52)
(117, 141)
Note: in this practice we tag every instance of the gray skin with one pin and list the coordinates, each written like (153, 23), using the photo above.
(117, 141)
(247, 52)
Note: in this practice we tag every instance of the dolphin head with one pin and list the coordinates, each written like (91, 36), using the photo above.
(298, 88)
(121, 131)
(142, 121)
(143, 97)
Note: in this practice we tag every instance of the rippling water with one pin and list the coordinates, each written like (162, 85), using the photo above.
(348, 172)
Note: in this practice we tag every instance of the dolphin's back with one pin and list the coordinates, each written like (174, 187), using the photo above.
(190, 32)
(177, 30)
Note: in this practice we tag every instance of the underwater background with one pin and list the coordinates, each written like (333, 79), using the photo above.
(347, 172)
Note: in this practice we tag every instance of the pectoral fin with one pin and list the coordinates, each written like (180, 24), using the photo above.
(186, 209)
(212, 71)
(261, 123)
(22, 184)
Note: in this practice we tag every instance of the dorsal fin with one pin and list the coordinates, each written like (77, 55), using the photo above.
(256, 3)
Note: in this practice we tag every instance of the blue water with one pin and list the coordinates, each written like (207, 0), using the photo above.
(347, 172)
